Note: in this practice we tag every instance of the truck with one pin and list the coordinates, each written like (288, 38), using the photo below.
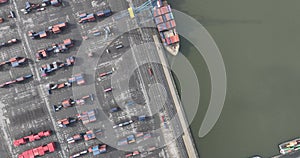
(134, 153)
(88, 135)
(14, 62)
(114, 109)
(54, 3)
(122, 141)
(104, 13)
(74, 138)
(31, 138)
(71, 102)
(87, 116)
(105, 74)
(91, 134)
(9, 42)
(57, 28)
(32, 6)
(17, 80)
(66, 122)
(131, 139)
(17, 61)
(128, 140)
(81, 153)
(37, 35)
(3, 1)
(84, 18)
(41, 54)
(142, 118)
(77, 78)
(48, 68)
(55, 48)
(55, 86)
(107, 89)
(70, 61)
(97, 149)
(62, 47)
(38, 151)
(123, 124)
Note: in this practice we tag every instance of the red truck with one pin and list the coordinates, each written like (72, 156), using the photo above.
(38, 151)
(3, 1)
(57, 27)
(84, 18)
(66, 122)
(31, 138)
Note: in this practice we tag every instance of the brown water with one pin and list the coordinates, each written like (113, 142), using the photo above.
(260, 44)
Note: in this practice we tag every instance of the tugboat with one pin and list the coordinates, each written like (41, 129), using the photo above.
(289, 146)
(165, 23)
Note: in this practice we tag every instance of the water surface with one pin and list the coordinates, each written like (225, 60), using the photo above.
(260, 43)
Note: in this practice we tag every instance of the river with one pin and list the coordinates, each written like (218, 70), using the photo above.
(260, 43)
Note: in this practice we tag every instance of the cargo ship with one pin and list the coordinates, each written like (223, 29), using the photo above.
(166, 26)
(289, 146)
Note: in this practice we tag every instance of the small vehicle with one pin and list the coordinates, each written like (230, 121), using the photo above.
(119, 46)
(1, 20)
(108, 90)
(150, 71)
(40, 9)
(12, 41)
(11, 14)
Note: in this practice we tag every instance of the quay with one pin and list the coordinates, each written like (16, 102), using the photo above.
(187, 137)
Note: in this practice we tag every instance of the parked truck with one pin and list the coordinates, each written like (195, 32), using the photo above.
(14, 62)
(84, 18)
(71, 102)
(3, 1)
(9, 42)
(97, 149)
(55, 86)
(91, 134)
(87, 116)
(123, 124)
(74, 138)
(66, 122)
(38, 151)
(48, 68)
(62, 47)
(104, 13)
(88, 135)
(17, 80)
(31, 138)
(132, 154)
(55, 48)
(54, 3)
(57, 28)
(81, 153)
(77, 78)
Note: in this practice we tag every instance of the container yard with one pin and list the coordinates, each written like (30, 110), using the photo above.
(64, 74)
